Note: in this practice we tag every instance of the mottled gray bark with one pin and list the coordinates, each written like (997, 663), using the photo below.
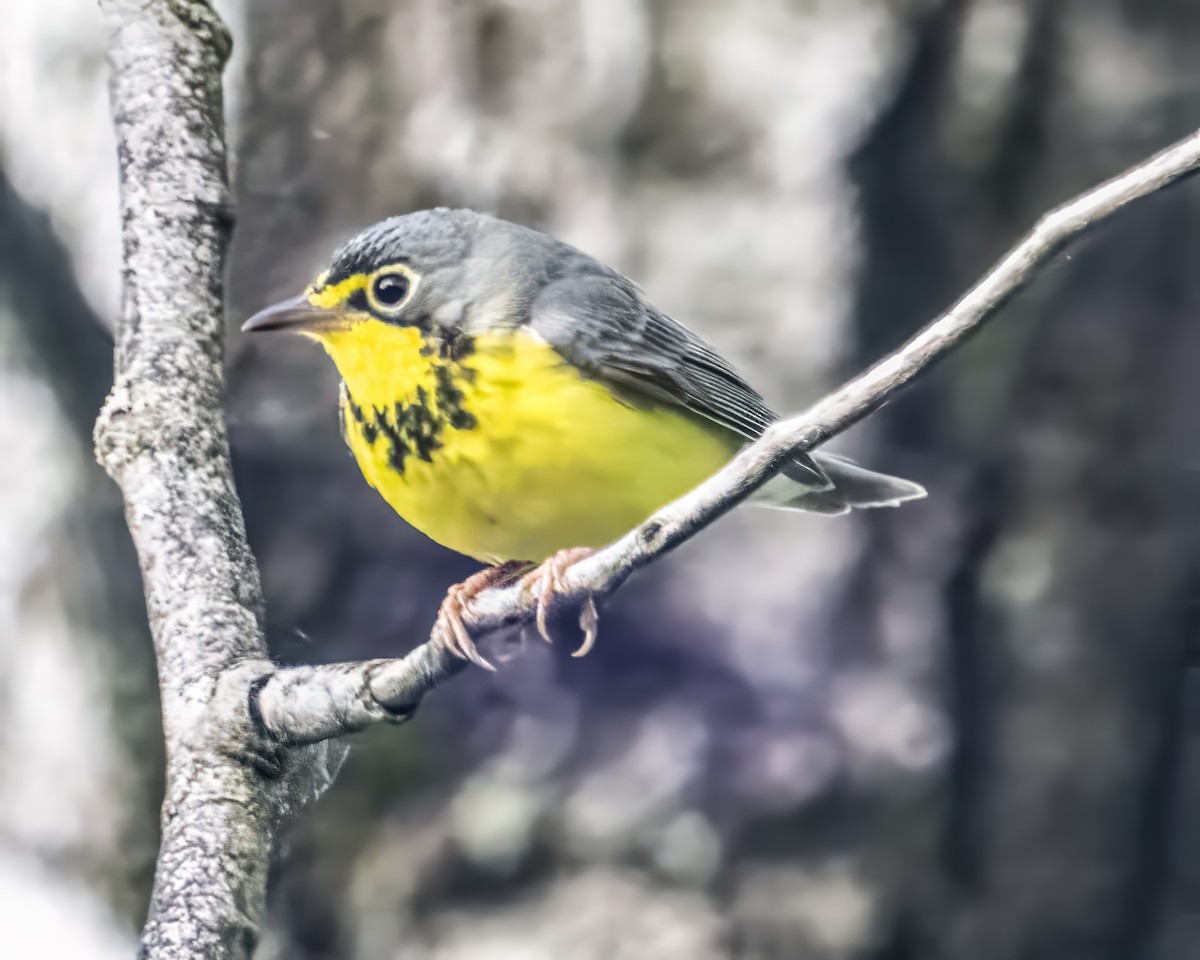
(246, 742)
(162, 437)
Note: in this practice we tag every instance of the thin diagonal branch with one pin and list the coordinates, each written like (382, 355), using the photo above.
(302, 705)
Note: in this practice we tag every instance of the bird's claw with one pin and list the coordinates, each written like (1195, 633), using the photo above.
(450, 615)
(589, 622)
(547, 580)
(458, 637)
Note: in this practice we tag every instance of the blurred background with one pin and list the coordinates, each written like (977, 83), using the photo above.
(969, 728)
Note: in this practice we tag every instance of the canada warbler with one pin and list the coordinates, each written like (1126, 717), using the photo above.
(519, 402)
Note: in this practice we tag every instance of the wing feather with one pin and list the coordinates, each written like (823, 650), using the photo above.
(600, 322)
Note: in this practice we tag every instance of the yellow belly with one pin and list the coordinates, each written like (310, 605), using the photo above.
(542, 459)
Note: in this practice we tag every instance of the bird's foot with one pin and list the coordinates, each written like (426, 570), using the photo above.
(450, 616)
(546, 581)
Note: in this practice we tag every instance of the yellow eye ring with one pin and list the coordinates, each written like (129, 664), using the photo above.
(390, 290)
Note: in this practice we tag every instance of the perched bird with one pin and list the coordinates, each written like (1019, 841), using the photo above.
(522, 403)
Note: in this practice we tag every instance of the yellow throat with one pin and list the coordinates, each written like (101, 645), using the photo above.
(496, 447)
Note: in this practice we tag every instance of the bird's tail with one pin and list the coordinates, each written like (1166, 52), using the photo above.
(852, 487)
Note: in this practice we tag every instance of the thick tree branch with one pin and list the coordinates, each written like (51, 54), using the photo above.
(303, 705)
(161, 436)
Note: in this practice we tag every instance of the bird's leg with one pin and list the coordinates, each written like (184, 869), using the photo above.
(546, 581)
(450, 616)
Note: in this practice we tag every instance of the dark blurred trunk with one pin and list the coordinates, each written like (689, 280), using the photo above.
(1070, 612)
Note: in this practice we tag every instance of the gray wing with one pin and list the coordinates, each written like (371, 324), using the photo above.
(602, 324)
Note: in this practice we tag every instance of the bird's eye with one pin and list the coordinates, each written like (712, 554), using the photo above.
(389, 291)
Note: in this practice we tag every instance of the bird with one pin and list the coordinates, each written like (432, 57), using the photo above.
(520, 402)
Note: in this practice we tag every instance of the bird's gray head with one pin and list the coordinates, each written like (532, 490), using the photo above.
(403, 271)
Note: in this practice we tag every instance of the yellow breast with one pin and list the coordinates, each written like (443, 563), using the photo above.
(499, 449)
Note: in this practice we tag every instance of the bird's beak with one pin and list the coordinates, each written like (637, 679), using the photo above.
(297, 315)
